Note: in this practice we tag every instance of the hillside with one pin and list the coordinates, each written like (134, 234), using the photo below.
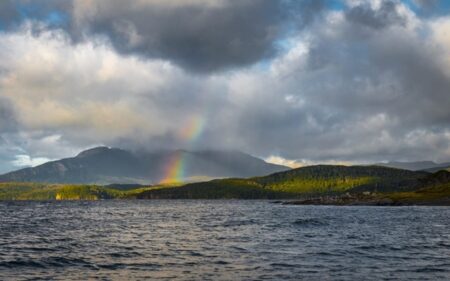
(39, 191)
(216, 189)
(103, 165)
(434, 189)
(321, 179)
(439, 168)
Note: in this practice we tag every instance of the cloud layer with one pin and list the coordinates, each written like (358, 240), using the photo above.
(301, 81)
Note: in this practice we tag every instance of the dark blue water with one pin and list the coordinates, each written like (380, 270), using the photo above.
(221, 240)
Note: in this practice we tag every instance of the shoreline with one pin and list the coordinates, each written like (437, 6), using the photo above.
(381, 203)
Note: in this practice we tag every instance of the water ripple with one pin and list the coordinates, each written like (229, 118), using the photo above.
(221, 240)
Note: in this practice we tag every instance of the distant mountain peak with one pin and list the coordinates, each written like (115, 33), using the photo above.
(425, 162)
(93, 151)
(105, 165)
(413, 166)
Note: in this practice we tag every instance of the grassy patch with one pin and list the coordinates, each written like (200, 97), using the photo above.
(319, 185)
(38, 191)
(427, 194)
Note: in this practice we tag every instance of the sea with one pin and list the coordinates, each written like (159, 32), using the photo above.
(221, 240)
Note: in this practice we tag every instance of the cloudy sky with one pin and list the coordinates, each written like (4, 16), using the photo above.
(291, 81)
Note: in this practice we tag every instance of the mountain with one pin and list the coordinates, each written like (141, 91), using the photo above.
(320, 179)
(416, 166)
(103, 165)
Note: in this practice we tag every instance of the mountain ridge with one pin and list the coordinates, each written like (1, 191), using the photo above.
(104, 165)
(416, 165)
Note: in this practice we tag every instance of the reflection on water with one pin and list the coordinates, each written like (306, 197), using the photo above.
(221, 240)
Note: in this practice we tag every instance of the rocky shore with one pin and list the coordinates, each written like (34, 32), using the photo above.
(368, 199)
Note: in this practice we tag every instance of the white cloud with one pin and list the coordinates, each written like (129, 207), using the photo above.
(285, 162)
(26, 161)
(304, 162)
(86, 88)
(440, 32)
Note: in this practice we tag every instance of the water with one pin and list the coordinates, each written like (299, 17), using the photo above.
(221, 240)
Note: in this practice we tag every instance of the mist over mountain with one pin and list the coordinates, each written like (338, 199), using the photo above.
(103, 165)
(416, 166)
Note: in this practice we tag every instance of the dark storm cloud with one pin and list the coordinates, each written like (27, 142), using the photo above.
(201, 36)
(198, 35)
(384, 16)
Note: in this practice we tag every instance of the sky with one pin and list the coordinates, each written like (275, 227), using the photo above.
(293, 82)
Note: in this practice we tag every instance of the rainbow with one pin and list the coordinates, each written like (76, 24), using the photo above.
(193, 130)
(174, 171)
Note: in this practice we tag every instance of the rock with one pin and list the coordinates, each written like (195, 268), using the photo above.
(385, 202)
